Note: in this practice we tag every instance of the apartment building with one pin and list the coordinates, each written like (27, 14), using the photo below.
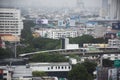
(60, 33)
(10, 21)
(57, 33)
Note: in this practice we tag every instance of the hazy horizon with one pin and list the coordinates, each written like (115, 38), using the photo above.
(50, 3)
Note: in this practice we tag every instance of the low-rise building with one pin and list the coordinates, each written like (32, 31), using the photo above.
(114, 43)
(50, 67)
(57, 33)
(67, 45)
(59, 70)
(60, 33)
(111, 56)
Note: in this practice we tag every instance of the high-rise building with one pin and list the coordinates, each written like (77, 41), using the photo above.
(104, 8)
(10, 21)
(110, 9)
(118, 9)
(114, 9)
(79, 6)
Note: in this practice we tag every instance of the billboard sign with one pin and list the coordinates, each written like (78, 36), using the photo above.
(117, 63)
(116, 26)
(41, 21)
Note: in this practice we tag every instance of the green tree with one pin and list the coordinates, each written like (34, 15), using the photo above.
(45, 43)
(46, 57)
(26, 33)
(90, 66)
(79, 72)
(5, 53)
(82, 39)
(39, 73)
(87, 39)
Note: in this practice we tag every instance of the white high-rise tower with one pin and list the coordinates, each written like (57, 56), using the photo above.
(10, 21)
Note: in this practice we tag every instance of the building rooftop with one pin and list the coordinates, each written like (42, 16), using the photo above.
(10, 38)
(50, 64)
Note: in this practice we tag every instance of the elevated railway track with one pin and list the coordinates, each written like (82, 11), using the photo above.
(80, 52)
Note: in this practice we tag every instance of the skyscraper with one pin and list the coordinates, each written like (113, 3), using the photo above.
(79, 6)
(114, 9)
(10, 21)
(118, 9)
(110, 9)
(104, 8)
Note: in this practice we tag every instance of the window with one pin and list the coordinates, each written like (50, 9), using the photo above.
(62, 67)
(4, 73)
(65, 67)
(51, 67)
(48, 68)
(69, 67)
(58, 67)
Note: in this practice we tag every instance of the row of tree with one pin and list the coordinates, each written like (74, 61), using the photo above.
(5, 53)
(46, 57)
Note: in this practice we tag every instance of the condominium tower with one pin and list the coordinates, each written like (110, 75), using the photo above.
(10, 21)
(110, 9)
(114, 9)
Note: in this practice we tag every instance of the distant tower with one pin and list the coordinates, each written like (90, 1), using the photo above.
(104, 8)
(114, 9)
(80, 4)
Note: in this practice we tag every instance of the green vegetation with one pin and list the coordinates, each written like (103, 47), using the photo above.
(90, 66)
(31, 44)
(39, 44)
(26, 33)
(82, 39)
(79, 72)
(46, 57)
(39, 73)
(5, 53)
(86, 39)
(82, 71)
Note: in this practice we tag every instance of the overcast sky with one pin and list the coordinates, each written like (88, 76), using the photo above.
(91, 3)
(52, 3)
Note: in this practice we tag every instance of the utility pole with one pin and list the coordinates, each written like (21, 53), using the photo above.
(15, 49)
(15, 53)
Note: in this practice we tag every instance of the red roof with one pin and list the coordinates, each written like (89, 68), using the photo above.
(5, 34)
